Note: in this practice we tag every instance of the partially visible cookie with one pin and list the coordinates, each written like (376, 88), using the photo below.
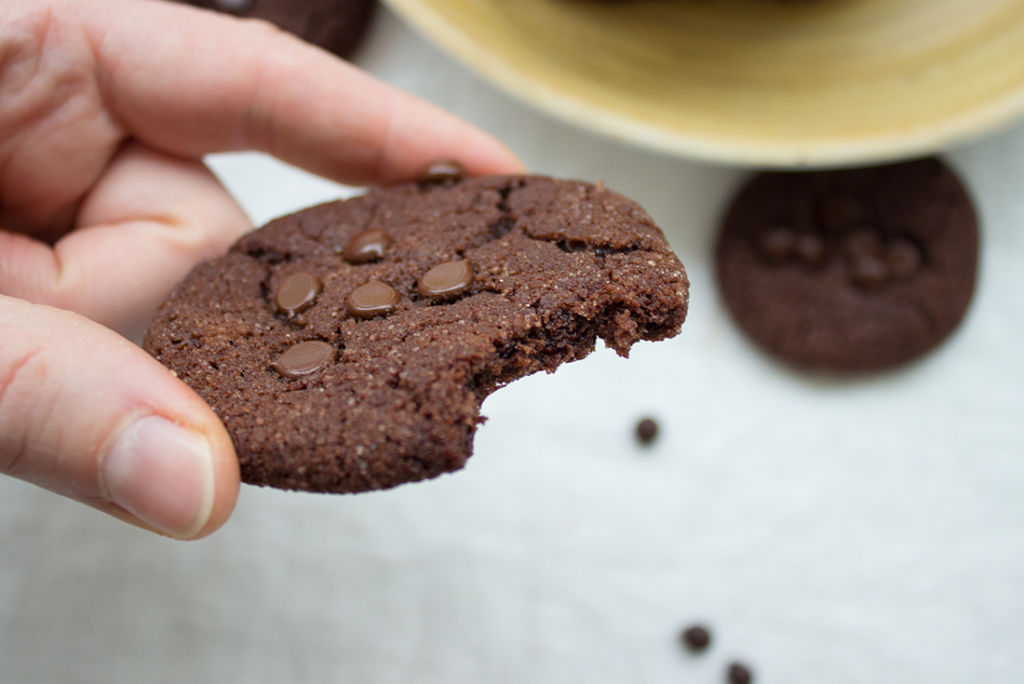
(349, 346)
(850, 270)
(335, 25)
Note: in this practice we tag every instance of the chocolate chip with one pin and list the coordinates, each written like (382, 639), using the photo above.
(776, 244)
(810, 249)
(868, 271)
(696, 638)
(370, 245)
(372, 299)
(646, 430)
(738, 673)
(304, 358)
(442, 172)
(297, 293)
(447, 280)
(903, 257)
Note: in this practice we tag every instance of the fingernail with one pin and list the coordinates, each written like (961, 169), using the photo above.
(162, 474)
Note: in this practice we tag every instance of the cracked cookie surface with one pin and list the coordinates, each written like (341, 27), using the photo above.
(851, 270)
(348, 347)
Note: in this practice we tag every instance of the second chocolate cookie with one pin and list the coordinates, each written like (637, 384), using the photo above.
(850, 270)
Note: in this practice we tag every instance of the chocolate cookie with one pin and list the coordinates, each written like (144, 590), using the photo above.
(348, 347)
(335, 25)
(849, 270)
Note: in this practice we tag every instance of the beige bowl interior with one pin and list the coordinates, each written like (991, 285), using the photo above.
(767, 82)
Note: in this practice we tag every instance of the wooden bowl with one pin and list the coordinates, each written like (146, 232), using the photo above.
(763, 82)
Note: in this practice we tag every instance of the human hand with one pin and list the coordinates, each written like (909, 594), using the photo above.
(106, 108)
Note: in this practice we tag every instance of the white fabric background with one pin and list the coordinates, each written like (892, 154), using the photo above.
(856, 531)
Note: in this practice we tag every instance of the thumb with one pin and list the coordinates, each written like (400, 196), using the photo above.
(87, 414)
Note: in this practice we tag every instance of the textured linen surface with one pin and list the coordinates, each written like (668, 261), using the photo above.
(867, 530)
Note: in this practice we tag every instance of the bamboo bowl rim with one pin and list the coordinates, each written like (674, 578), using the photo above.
(816, 83)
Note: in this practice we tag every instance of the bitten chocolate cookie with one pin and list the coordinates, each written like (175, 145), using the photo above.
(849, 270)
(348, 347)
(335, 25)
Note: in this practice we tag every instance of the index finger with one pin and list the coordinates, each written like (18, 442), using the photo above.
(191, 82)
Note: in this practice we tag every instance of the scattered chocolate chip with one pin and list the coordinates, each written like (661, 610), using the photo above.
(646, 430)
(903, 258)
(446, 280)
(738, 673)
(868, 271)
(372, 299)
(696, 638)
(304, 358)
(810, 249)
(776, 244)
(370, 245)
(297, 293)
(442, 172)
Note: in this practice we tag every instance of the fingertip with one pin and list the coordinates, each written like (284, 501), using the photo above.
(88, 415)
(226, 479)
(499, 160)
(278, 94)
(174, 478)
(420, 133)
(224, 473)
